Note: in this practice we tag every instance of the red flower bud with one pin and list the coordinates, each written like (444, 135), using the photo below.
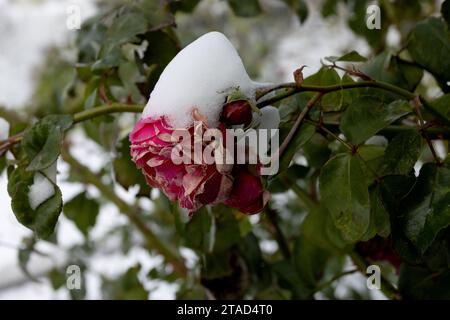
(248, 194)
(237, 112)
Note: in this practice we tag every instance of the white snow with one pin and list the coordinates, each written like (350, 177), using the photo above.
(42, 188)
(270, 118)
(200, 76)
(4, 129)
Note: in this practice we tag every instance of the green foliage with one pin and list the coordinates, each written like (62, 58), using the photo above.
(402, 153)
(248, 8)
(427, 209)
(42, 142)
(126, 173)
(445, 11)
(367, 115)
(432, 33)
(82, 211)
(126, 287)
(344, 193)
(299, 7)
(352, 56)
(43, 219)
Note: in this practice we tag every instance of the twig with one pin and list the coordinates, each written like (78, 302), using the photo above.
(297, 123)
(292, 88)
(279, 236)
(418, 105)
(348, 145)
(328, 283)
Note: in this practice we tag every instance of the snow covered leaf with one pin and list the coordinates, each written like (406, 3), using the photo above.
(36, 200)
(42, 142)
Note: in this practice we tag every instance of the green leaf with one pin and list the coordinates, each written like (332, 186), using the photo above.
(230, 226)
(125, 170)
(42, 142)
(82, 211)
(432, 33)
(2, 163)
(388, 68)
(216, 265)
(126, 287)
(329, 8)
(24, 255)
(367, 115)
(379, 216)
(420, 284)
(320, 229)
(199, 234)
(344, 192)
(42, 220)
(352, 56)
(125, 27)
(57, 278)
(183, 5)
(324, 77)
(373, 157)
(302, 136)
(248, 8)
(300, 7)
(402, 153)
(445, 11)
(357, 22)
(47, 215)
(427, 206)
(316, 151)
(309, 261)
(442, 104)
(292, 174)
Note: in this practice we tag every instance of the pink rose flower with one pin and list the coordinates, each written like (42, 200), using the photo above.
(192, 185)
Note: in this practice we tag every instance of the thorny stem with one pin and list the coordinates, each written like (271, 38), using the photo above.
(153, 241)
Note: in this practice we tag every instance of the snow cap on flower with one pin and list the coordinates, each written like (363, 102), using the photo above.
(200, 76)
(190, 95)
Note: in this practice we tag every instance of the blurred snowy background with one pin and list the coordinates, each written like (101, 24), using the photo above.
(29, 27)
